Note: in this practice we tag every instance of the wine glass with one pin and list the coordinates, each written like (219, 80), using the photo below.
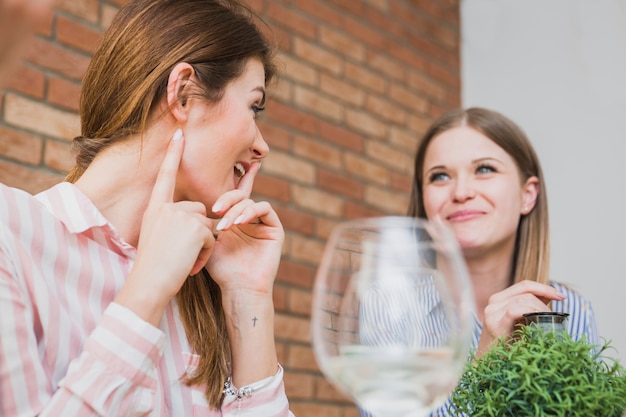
(393, 314)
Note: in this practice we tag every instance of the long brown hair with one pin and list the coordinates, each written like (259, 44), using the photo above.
(123, 85)
(532, 247)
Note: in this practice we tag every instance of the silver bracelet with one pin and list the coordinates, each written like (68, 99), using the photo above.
(246, 391)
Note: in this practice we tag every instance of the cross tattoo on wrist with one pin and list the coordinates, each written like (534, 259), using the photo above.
(254, 321)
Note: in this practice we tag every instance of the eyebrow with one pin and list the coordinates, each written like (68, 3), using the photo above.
(474, 162)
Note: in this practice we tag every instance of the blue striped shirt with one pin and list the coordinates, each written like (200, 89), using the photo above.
(581, 322)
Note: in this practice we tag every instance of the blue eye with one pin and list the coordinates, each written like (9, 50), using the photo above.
(485, 169)
(438, 176)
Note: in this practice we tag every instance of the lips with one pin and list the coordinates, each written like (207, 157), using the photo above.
(464, 215)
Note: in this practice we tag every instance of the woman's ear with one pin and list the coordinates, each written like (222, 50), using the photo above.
(530, 191)
(178, 89)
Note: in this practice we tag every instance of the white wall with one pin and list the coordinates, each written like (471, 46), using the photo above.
(558, 68)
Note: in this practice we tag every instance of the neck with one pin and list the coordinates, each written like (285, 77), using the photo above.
(119, 181)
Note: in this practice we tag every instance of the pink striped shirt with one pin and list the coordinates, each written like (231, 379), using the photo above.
(65, 348)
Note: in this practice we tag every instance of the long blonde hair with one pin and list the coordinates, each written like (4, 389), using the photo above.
(532, 248)
(125, 81)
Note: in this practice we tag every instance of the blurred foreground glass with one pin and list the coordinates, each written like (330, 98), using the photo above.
(393, 314)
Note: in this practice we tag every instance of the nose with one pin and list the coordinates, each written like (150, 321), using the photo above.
(463, 189)
(260, 149)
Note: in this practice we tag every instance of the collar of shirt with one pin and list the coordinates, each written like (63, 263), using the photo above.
(76, 211)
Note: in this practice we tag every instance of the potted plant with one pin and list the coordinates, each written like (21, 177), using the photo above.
(542, 373)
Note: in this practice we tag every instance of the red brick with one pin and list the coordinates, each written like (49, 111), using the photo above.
(42, 118)
(365, 33)
(386, 109)
(28, 81)
(291, 117)
(64, 93)
(274, 136)
(279, 295)
(295, 273)
(339, 183)
(342, 90)
(367, 79)
(318, 152)
(84, 9)
(318, 56)
(352, 7)
(357, 211)
(26, 179)
(327, 391)
(74, 34)
(317, 201)
(308, 409)
(295, 329)
(301, 358)
(388, 66)
(21, 147)
(341, 43)
(402, 183)
(60, 60)
(319, 10)
(300, 301)
(341, 136)
(295, 221)
(319, 104)
(58, 156)
(292, 20)
(108, 14)
(386, 200)
(299, 386)
(271, 187)
(288, 166)
(366, 123)
(298, 70)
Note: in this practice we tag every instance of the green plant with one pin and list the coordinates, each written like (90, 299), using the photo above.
(542, 373)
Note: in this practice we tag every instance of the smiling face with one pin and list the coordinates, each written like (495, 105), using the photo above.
(474, 186)
(222, 139)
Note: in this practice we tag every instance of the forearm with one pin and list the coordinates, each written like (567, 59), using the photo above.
(250, 325)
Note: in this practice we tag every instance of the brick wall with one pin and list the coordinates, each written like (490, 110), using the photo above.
(360, 81)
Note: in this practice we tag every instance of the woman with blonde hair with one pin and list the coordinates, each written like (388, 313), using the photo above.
(477, 172)
(142, 285)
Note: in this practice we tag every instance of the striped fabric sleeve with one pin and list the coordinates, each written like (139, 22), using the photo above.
(115, 374)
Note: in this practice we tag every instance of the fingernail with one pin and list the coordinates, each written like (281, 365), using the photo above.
(217, 207)
(239, 219)
(178, 135)
(561, 295)
(222, 224)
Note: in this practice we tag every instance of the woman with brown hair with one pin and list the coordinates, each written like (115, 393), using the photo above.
(143, 284)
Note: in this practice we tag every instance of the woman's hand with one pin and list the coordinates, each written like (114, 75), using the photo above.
(176, 240)
(249, 242)
(506, 309)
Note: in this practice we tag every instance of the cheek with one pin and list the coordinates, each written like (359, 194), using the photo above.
(433, 200)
